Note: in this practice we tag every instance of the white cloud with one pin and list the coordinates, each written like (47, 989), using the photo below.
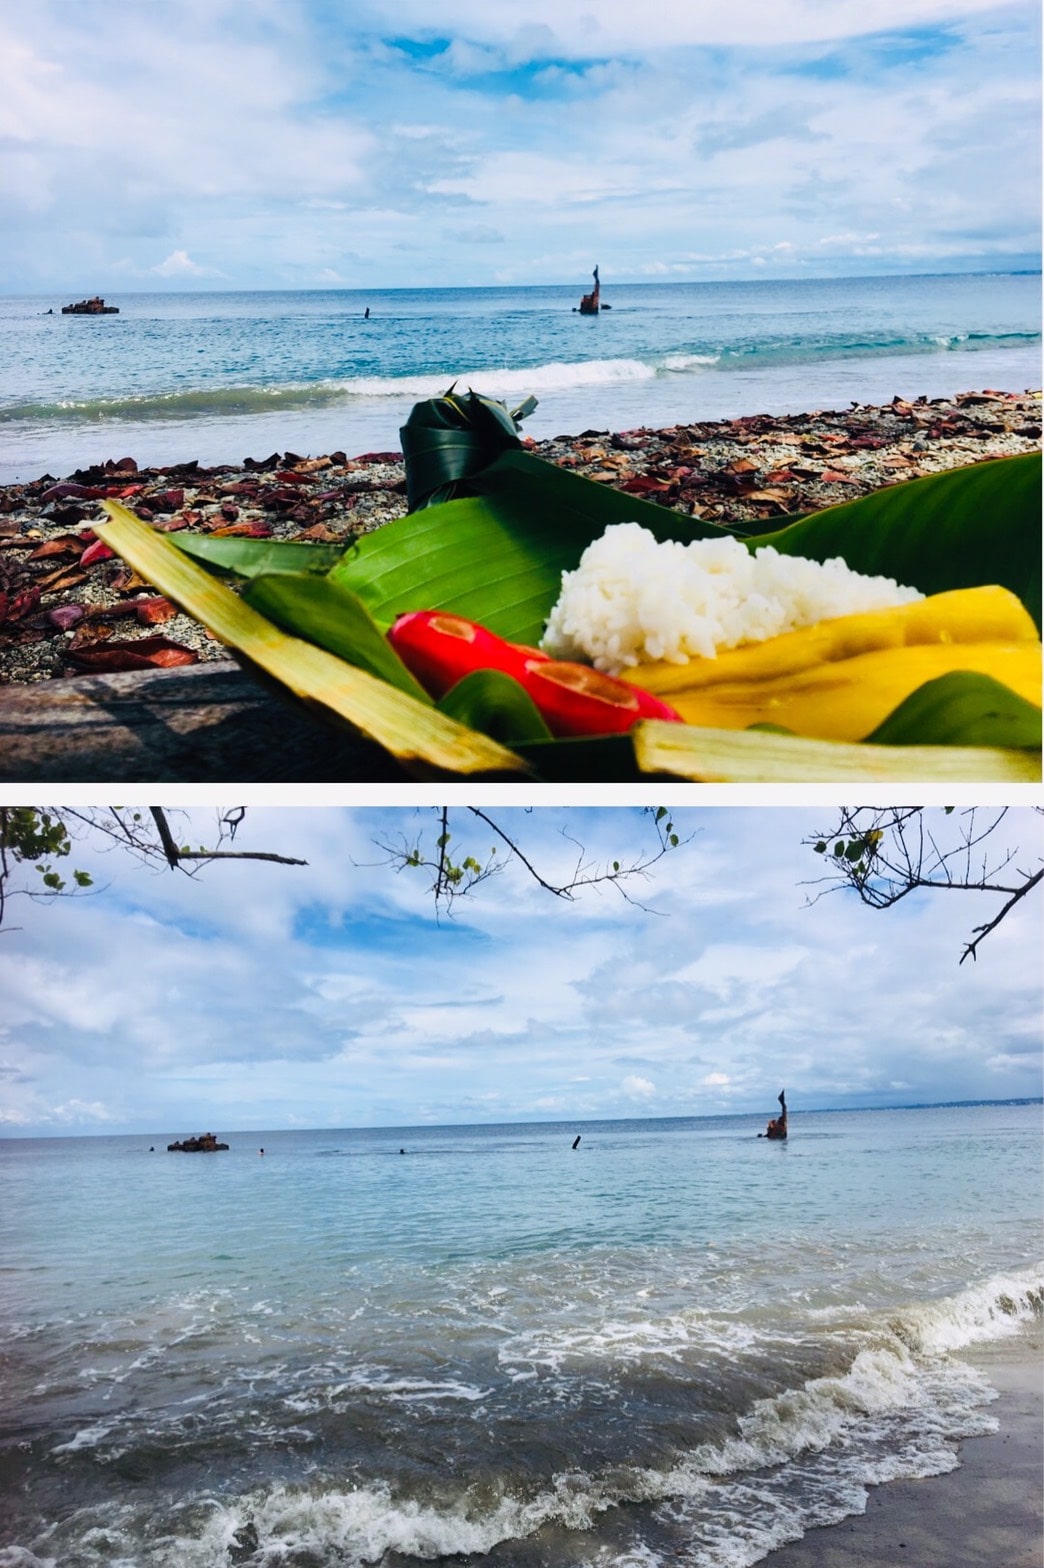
(179, 264)
(636, 1088)
(330, 995)
(285, 143)
(615, 25)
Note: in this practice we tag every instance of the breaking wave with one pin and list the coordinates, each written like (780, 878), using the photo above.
(218, 401)
(801, 1457)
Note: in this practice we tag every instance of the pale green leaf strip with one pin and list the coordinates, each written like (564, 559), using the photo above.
(761, 757)
(251, 557)
(410, 731)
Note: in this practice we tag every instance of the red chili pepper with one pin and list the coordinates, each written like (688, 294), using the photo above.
(440, 649)
(573, 699)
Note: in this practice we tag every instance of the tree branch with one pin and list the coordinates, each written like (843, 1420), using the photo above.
(991, 925)
(885, 854)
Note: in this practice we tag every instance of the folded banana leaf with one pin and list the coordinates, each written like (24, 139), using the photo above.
(496, 554)
(447, 439)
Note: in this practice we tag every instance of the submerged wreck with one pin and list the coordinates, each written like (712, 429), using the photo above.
(590, 304)
(777, 1127)
(95, 306)
(206, 1143)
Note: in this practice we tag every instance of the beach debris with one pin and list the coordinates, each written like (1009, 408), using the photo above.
(147, 653)
(797, 460)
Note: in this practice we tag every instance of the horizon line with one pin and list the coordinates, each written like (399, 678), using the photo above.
(578, 1121)
(623, 282)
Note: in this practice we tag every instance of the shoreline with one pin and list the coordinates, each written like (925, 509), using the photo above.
(67, 609)
(986, 1513)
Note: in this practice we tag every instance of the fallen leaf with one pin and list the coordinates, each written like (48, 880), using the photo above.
(89, 632)
(641, 484)
(148, 653)
(65, 577)
(65, 544)
(13, 607)
(152, 612)
(777, 497)
(323, 534)
(66, 616)
(98, 551)
(241, 531)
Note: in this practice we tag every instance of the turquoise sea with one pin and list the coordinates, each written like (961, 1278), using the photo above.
(220, 377)
(674, 1344)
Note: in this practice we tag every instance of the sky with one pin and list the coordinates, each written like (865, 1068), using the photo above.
(243, 144)
(259, 996)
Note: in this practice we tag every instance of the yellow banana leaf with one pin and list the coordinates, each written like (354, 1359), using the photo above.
(419, 736)
(711, 756)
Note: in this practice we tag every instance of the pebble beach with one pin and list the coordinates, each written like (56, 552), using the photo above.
(68, 608)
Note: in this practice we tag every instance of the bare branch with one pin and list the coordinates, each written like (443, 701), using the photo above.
(885, 854)
(991, 925)
(454, 875)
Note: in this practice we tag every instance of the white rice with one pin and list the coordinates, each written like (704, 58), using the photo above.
(632, 600)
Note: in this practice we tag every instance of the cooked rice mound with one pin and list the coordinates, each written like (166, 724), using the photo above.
(632, 600)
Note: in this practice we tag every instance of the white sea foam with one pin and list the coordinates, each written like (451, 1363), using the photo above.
(997, 1308)
(626, 1343)
(734, 1500)
(501, 382)
(87, 1437)
(684, 362)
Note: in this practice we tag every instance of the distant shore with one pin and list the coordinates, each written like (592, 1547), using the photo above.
(988, 1513)
(64, 614)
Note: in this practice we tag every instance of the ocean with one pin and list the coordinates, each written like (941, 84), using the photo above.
(219, 377)
(676, 1344)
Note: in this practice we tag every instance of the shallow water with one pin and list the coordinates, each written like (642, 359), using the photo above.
(675, 1344)
(222, 376)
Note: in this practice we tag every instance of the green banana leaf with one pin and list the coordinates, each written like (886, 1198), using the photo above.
(960, 529)
(963, 708)
(497, 557)
(447, 439)
(324, 612)
(250, 557)
(490, 701)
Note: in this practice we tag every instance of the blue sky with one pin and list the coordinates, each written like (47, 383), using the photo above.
(259, 996)
(395, 143)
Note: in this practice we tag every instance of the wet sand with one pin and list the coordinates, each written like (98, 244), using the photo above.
(988, 1513)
